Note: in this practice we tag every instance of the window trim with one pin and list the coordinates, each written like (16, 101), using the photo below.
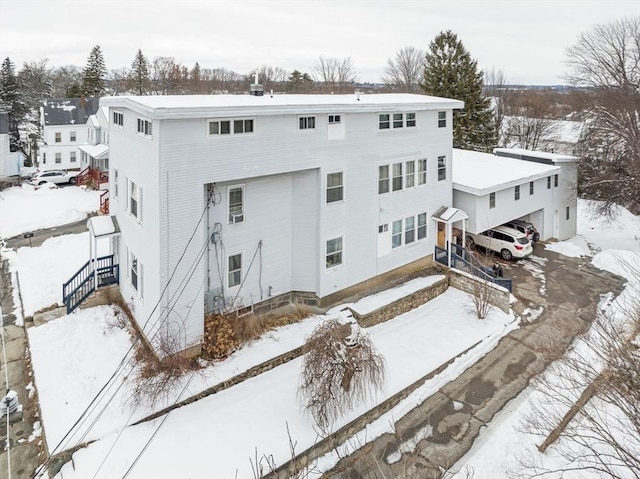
(397, 177)
(401, 230)
(236, 217)
(138, 199)
(57, 137)
(396, 120)
(72, 157)
(384, 180)
(72, 136)
(145, 127)
(442, 168)
(339, 187)
(531, 188)
(422, 174)
(334, 119)
(492, 200)
(442, 119)
(516, 193)
(338, 252)
(118, 118)
(548, 182)
(410, 174)
(306, 122)
(568, 213)
(238, 270)
(58, 158)
(115, 184)
(555, 180)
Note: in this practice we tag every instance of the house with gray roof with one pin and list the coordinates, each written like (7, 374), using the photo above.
(64, 129)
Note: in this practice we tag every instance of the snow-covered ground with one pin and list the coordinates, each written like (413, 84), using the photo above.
(28, 208)
(75, 355)
(503, 449)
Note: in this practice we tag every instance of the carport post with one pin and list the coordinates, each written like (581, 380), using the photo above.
(448, 239)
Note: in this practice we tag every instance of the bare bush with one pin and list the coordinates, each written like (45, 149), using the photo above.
(156, 373)
(340, 370)
(482, 293)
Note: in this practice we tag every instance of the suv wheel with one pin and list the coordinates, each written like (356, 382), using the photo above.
(72, 180)
(506, 254)
(536, 237)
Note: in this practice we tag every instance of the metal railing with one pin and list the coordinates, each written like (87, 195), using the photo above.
(462, 260)
(83, 283)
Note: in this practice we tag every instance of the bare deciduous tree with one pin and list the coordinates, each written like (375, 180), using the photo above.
(340, 370)
(404, 71)
(592, 401)
(161, 71)
(496, 87)
(336, 74)
(607, 58)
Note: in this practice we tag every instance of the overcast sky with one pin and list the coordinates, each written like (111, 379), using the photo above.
(526, 39)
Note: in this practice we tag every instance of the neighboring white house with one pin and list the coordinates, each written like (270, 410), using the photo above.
(514, 183)
(95, 152)
(64, 129)
(258, 201)
(11, 163)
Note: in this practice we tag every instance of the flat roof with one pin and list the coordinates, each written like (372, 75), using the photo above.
(197, 106)
(543, 155)
(483, 173)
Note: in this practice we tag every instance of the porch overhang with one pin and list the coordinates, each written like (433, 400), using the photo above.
(98, 152)
(103, 226)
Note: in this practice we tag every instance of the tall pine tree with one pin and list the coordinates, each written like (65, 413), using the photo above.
(11, 101)
(450, 72)
(94, 73)
(140, 80)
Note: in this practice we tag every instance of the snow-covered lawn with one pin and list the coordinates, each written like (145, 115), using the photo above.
(227, 428)
(502, 448)
(27, 208)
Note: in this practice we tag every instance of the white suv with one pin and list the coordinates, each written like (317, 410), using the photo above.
(510, 243)
(54, 176)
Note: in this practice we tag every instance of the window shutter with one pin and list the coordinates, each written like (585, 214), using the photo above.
(128, 268)
(140, 280)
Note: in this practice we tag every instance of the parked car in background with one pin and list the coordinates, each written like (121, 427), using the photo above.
(526, 228)
(54, 176)
(509, 242)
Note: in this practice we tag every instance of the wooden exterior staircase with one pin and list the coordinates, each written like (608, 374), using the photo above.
(93, 274)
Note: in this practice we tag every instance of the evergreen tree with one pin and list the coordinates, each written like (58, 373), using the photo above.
(450, 72)
(195, 78)
(94, 73)
(11, 101)
(140, 80)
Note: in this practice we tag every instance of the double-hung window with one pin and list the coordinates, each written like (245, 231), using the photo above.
(516, 193)
(409, 230)
(115, 184)
(72, 157)
(442, 168)
(410, 174)
(307, 122)
(236, 204)
(422, 172)
(396, 234)
(555, 181)
(531, 187)
(335, 187)
(220, 127)
(383, 179)
(411, 120)
(397, 176)
(72, 136)
(422, 226)
(135, 200)
(58, 137)
(58, 157)
(134, 272)
(235, 270)
(548, 182)
(384, 122)
(398, 120)
(492, 200)
(334, 252)
(442, 119)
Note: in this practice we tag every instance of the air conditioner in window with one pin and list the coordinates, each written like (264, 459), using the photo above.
(236, 218)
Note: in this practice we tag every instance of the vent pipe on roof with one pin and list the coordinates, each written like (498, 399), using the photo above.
(256, 88)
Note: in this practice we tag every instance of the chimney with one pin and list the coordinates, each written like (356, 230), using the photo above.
(256, 88)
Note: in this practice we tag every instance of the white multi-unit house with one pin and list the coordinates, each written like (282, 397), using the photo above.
(251, 202)
(64, 129)
(95, 152)
(511, 184)
(254, 201)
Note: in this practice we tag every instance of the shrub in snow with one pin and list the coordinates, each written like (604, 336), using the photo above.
(339, 371)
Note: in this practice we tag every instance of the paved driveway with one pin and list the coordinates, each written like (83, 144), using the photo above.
(557, 300)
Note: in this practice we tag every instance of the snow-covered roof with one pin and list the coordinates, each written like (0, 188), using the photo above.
(194, 106)
(449, 214)
(103, 226)
(98, 152)
(68, 111)
(531, 155)
(482, 173)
